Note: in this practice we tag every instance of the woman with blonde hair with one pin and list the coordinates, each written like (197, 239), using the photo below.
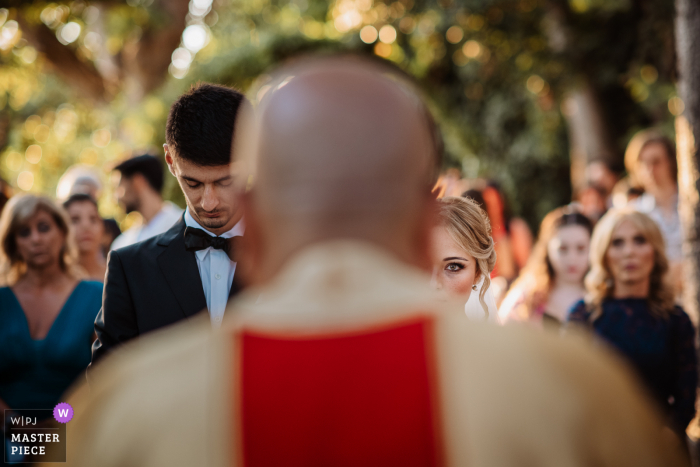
(464, 256)
(552, 280)
(629, 303)
(46, 311)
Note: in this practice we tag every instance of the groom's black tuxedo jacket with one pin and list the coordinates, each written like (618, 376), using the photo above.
(150, 284)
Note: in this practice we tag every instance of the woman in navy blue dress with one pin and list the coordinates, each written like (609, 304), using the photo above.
(630, 304)
(46, 311)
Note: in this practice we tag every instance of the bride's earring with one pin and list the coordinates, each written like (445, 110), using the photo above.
(474, 287)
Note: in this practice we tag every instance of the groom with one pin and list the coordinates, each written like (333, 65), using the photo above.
(190, 267)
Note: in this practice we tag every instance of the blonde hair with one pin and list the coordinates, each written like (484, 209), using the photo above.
(599, 281)
(16, 213)
(537, 278)
(469, 227)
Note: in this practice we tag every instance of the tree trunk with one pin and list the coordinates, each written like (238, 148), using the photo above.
(687, 133)
(589, 138)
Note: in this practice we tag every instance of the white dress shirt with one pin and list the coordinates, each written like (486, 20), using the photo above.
(216, 270)
(168, 215)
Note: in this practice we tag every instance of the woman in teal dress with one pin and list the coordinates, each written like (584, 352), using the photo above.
(46, 311)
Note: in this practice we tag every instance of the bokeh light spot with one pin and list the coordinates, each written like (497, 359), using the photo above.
(676, 106)
(69, 33)
(368, 34)
(387, 34)
(471, 49)
(25, 181)
(33, 154)
(382, 49)
(535, 84)
(454, 34)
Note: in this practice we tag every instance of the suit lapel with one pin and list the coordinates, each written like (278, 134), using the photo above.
(179, 267)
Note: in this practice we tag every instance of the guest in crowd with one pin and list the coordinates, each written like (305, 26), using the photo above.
(79, 179)
(603, 176)
(339, 354)
(630, 304)
(592, 202)
(192, 266)
(46, 310)
(139, 190)
(552, 281)
(112, 231)
(650, 160)
(84, 180)
(89, 230)
(464, 256)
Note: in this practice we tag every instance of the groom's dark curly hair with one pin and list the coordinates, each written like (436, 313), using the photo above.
(201, 122)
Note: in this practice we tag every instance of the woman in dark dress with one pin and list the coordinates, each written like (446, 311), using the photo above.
(629, 303)
(46, 311)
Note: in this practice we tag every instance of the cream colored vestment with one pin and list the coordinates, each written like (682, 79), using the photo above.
(507, 396)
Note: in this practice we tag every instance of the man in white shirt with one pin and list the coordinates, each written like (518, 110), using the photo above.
(191, 266)
(216, 269)
(139, 188)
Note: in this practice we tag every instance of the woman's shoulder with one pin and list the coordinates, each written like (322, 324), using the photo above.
(681, 317)
(6, 293)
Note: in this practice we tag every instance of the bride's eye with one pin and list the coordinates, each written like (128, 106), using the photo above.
(454, 267)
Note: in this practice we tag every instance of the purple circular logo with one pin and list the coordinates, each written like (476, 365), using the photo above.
(63, 412)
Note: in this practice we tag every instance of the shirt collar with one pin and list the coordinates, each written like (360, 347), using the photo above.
(236, 231)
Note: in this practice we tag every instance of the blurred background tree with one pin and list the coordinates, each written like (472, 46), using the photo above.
(526, 91)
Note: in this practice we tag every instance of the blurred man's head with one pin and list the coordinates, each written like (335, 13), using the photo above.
(139, 177)
(77, 179)
(343, 149)
(198, 139)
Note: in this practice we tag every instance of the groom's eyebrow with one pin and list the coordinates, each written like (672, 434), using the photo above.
(222, 179)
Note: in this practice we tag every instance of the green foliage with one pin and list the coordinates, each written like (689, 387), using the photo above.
(496, 73)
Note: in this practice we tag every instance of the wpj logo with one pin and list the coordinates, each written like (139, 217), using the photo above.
(36, 435)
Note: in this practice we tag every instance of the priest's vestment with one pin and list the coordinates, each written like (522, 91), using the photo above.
(346, 358)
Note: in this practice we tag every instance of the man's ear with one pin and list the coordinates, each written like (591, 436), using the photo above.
(169, 160)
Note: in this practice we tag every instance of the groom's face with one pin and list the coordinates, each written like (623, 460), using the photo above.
(209, 191)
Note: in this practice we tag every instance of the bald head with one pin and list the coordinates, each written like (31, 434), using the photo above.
(343, 150)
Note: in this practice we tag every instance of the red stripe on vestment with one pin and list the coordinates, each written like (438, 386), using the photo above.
(365, 398)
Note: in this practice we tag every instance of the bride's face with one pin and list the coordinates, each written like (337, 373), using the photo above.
(454, 270)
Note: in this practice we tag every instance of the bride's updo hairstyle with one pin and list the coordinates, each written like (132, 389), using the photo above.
(469, 227)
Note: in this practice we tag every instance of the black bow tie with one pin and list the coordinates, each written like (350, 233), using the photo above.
(198, 239)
